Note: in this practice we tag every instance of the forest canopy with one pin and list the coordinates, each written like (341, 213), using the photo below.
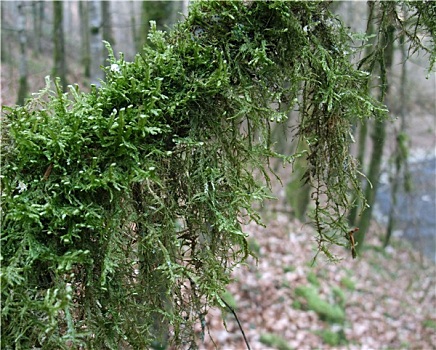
(123, 208)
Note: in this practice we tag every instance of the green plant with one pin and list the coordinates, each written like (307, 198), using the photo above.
(122, 208)
(339, 295)
(312, 278)
(326, 311)
(274, 341)
(348, 283)
(429, 323)
(332, 338)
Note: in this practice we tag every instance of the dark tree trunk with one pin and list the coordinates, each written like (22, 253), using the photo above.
(84, 37)
(23, 84)
(60, 68)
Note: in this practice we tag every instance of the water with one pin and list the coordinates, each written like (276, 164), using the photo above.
(415, 212)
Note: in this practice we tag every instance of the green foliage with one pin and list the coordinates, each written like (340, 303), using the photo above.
(429, 323)
(326, 311)
(312, 278)
(122, 208)
(332, 338)
(274, 341)
(348, 283)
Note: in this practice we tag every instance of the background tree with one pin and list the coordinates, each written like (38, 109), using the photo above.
(60, 67)
(163, 12)
(96, 41)
(23, 86)
(85, 38)
(107, 22)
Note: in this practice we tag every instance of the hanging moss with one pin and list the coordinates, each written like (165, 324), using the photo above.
(123, 208)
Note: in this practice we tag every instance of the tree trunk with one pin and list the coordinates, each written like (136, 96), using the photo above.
(160, 11)
(379, 133)
(23, 84)
(96, 39)
(135, 37)
(107, 22)
(401, 150)
(363, 126)
(60, 68)
(4, 53)
(37, 27)
(84, 36)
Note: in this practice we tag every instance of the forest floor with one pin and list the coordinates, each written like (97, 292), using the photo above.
(384, 299)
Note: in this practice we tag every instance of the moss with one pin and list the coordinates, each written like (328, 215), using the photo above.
(313, 279)
(348, 283)
(332, 338)
(296, 305)
(339, 296)
(429, 323)
(289, 268)
(326, 311)
(274, 341)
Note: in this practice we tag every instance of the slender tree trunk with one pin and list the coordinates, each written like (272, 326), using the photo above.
(96, 39)
(363, 126)
(107, 22)
(23, 84)
(4, 52)
(84, 36)
(135, 37)
(400, 172)
(379, 134)
(60, 68)
(160, 11)
(185, 7)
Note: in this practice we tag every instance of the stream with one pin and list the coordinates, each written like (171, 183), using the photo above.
(415, 212)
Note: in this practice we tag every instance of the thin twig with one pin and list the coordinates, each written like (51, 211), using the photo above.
(239, 323)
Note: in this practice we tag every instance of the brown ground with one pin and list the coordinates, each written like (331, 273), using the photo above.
(389, 296)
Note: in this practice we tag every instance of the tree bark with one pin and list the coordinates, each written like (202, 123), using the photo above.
(163, 12)
(363, 126)
(379, 133)
(60, 68)
(23, 84)
(96, 38)
(400, 172)
(107, 22)
(84, 37)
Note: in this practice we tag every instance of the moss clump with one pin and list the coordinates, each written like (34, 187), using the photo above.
(429, 323)
(313, 279)
(122, 208)
(274, 341)
(348, 283)
(332, 338)
(313, 301)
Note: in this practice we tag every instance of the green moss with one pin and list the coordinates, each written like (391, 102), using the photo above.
(296, 305)
(332, 338)
(339, 296)
(348, 283)
(93, 184)
(312, 278)
(287, 269)
(429, 323)
(274, 341)
(326, 311)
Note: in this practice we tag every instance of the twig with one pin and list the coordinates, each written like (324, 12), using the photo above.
(239, 323)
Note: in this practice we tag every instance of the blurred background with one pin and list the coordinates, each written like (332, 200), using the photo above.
(64, 39)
